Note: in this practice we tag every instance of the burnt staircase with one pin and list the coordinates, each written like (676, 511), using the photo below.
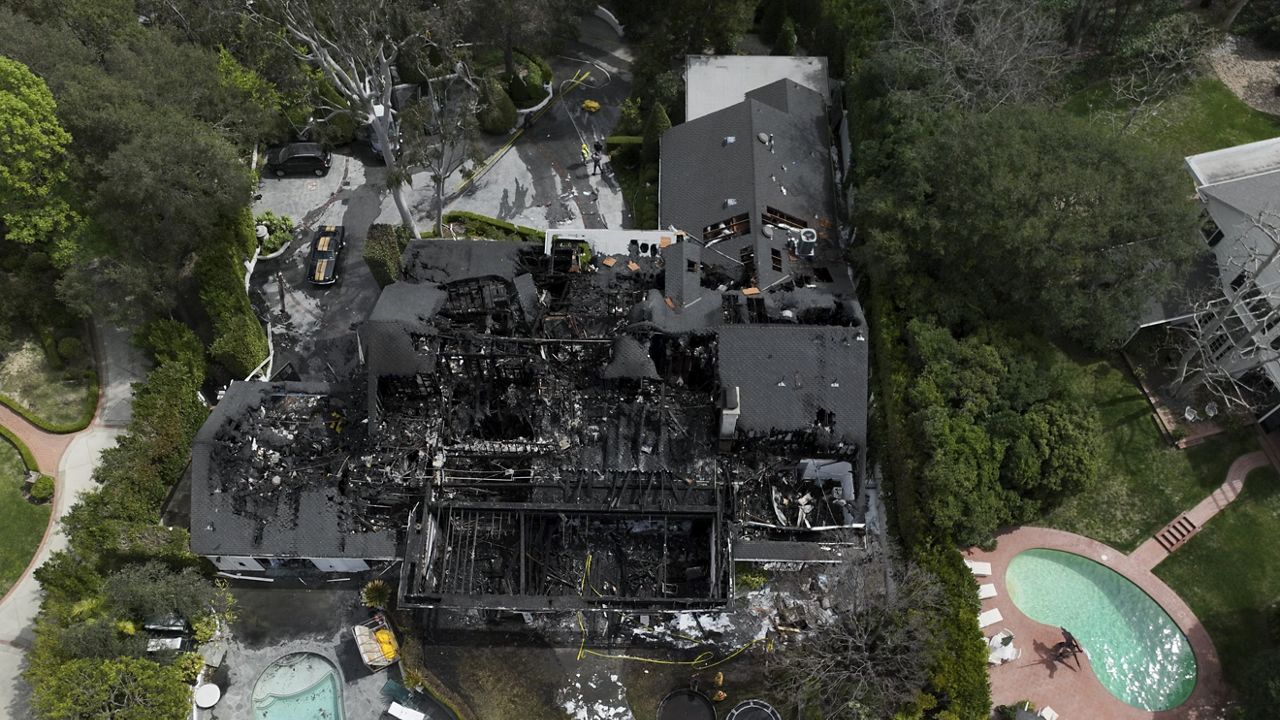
(1176, 533)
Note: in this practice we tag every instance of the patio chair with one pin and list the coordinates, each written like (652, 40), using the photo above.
(1048, 713)
(401, 712)
(1000, 639)
(990, 617)
(986, 591)
(981, 569)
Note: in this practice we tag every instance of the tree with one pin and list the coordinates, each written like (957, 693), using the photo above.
(655, 125)
(1219, 343)
(874, 657)
(356, 47)
(1158, 62)
(978, 54)
(121, 688)
(33, 162)
(1029, 214)
(439, 131)
(527, 24)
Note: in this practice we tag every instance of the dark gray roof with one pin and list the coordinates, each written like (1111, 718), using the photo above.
(312, 525)
(706, 179)
(787, 373)
(403, 310)
(630, 360)
(444, 261)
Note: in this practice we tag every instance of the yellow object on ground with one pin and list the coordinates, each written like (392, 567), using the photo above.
(590, 106)
(387, 642)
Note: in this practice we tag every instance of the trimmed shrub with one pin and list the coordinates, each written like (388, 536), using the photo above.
(168, 340)
(492, 228)
(49, 344)
(528, 91)
(279, 229)
(42, 489)
(498, 112)
(785, 43)
(27, 458)
(654, 126)
(382, 248)
(71, 350)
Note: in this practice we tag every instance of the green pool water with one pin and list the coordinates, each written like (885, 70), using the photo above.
(1135, 648)
(301, 686)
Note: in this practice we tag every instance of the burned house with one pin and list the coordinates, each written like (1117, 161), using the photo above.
(608, 420)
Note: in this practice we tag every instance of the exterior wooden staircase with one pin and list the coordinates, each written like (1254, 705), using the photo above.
(1176, 533)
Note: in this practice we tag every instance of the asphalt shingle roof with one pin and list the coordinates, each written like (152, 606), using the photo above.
(787, 373)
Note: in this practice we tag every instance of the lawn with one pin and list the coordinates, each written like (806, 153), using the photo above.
(1144, 483)
(21, 523)
(58, 397)
(1228, 576)
(1204, 116)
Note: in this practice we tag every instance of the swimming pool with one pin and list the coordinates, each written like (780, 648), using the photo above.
(1136, 650)
(301, 686)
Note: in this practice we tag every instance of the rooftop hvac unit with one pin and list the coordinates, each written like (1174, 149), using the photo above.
(808, 243)
(730, 412)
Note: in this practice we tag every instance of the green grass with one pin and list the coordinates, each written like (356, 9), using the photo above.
(21, 523)
(1228, 576)
(1144, 483)
(1204, 116)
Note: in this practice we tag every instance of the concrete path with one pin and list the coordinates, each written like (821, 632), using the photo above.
(119, 366)
(1151, 552)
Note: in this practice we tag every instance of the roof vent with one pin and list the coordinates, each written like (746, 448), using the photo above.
(729, 140)
(730, 202)
(763, 137)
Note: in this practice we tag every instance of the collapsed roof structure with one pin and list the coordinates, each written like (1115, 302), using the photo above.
(604, 421)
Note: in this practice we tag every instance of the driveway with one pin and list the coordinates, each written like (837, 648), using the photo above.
(542, 181)
(119, 366)
(313, 331)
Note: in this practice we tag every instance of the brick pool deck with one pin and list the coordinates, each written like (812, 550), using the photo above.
(1075, 693)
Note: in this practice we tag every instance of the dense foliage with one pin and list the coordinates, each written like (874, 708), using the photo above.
(121, 568)
(382, 248)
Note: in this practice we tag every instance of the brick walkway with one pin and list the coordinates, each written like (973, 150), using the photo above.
(1076, 694)
(46, 447)
(1151, 552)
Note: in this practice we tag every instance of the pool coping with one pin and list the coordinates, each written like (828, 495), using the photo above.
(1080, 694)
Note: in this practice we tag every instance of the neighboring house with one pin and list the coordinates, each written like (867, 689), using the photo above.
(1239, 188)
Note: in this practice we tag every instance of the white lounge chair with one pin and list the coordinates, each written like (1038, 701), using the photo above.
(403, 713)
(981, 569)
(986, 591)
(990, 617)
(1049, 713)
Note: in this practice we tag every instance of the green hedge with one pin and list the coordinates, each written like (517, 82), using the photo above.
(42, 489)
(497, 111)
(493, 228)
(382, 249)
(86, 415)
(239, 343)
(529, 91)
(624, 140)
(27, 458)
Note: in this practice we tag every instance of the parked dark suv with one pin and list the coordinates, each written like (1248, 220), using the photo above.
(298, 159)
(326, 248)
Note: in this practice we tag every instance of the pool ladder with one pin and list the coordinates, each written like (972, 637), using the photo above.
(1176, 533)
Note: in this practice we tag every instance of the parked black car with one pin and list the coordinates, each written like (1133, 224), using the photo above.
(326, 247)
(298, 159)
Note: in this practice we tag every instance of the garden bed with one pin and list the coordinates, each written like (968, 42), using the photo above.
(55, 399)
